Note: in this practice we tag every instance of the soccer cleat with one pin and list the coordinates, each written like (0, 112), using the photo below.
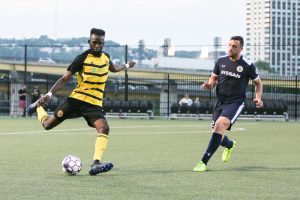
(97, 167)
(227, 152)
(200, 167)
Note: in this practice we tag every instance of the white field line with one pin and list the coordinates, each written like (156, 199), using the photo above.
(87, 130)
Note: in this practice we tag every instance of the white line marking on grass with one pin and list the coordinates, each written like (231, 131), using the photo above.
(79, 130)
(171, 132)
(83, 129)
(50, 131)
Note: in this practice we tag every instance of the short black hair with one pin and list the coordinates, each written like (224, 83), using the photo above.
(97, 32)
(239, 38)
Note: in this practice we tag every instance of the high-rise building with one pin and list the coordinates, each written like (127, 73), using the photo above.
(273, 34)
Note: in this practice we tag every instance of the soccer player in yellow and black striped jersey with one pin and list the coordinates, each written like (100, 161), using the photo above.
(92, 68)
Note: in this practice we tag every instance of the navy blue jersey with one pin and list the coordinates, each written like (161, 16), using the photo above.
(233, 78)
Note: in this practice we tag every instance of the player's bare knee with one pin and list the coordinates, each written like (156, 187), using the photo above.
(106, 129)
(221, 125)
(50, 123)
(224, 122)
(102, 126)
(47, 126)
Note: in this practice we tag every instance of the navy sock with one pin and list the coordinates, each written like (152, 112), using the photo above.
(213, 145)
(226, 142)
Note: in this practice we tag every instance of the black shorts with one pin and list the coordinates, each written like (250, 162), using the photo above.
(73, 108)
(229, 110)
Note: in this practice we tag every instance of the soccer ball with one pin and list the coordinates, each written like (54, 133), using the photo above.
(71, 165)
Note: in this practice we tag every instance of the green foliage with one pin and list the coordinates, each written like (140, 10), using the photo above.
(263, 66)
(61, 50)
(64, 50)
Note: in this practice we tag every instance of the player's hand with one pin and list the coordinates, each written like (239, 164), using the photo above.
(131, 64)
(45, 99)
(205, 86)
(258, 102)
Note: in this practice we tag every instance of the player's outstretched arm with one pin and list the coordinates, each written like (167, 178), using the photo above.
(210, 83)
(258, 93)
(117, 68)
(60, 83)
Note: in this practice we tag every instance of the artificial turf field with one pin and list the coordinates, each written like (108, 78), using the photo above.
(153, 159)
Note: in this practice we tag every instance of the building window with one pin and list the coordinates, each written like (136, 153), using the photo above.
(294, 30)
(294, 50)
(283, 30)
(278, 69)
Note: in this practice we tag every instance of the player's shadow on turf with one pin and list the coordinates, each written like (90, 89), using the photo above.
(117, 172)
(261, 168)
(152, 171)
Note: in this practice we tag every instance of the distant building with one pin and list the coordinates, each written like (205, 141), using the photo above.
(168, 49)
(166, 59)
(215, 53)
(141, 50)
(273, 34)
(217, 48)
(174, 63)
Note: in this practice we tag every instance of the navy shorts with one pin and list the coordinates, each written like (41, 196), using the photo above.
(73, 108)
(229, 110)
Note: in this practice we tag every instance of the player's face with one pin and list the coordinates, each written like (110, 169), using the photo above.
(96, 42)
(234, 49)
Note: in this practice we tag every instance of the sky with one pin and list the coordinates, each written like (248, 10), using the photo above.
(185, 22)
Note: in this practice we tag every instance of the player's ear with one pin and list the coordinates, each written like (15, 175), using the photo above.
(89, 41)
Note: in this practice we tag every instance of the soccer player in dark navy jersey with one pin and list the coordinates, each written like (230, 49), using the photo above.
(231, 75)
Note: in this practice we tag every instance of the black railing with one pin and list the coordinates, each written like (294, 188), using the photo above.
(146, 82)
(280, 94)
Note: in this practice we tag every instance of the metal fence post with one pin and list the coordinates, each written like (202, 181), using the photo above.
(296, 98)
(126, 74)
(25, 64)
(168, 103)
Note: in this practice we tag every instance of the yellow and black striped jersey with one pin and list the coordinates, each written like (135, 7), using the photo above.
(92, 72)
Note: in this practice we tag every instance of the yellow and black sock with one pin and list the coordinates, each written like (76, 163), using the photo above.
(41, 114)
(100, 146)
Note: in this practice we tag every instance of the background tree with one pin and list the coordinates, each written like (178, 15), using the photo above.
(263, 66)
